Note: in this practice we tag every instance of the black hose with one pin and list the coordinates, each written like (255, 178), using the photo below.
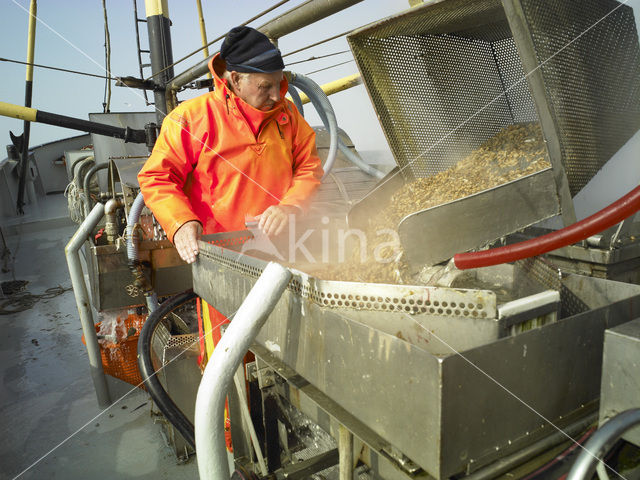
(168, 408)
(600, 443)
(87, 181)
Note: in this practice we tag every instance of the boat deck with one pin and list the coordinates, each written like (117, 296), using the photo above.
(50, 421)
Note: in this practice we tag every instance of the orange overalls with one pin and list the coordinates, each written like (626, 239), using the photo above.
(218, 160)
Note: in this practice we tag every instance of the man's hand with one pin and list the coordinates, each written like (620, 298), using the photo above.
(186, 240)
(275, 218)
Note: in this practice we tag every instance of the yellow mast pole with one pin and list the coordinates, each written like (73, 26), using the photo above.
(203, 32)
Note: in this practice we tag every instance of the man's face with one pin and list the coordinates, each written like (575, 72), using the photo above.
(260, 90)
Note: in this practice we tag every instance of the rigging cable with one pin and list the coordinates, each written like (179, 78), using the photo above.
(331, 66)
(282, 2)
(107, 60)
(317, 43)
(318, 57)
(2, 59)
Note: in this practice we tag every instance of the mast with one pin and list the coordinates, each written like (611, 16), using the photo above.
(161, 52)
(28, 91)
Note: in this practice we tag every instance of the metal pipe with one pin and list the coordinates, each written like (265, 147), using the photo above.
(304, 14)
(88, 204)
(601, 442)
(218, 375)
(82, 302)
(345, 453)
(32, 115)
(336, 86)
(203, 32)
(28, 94)
(110, 209)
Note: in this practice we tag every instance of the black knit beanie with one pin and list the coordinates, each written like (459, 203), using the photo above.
(247, 50)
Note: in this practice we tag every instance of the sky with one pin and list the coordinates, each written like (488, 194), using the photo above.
(71, 35)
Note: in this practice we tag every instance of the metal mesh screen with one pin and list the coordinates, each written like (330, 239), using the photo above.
(447, 76)
(545, 273)
(443, 85)
(590, 61)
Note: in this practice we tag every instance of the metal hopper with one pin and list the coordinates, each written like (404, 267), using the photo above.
(446, 76)
(413, 364)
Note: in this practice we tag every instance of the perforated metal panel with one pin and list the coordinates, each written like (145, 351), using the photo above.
(446, 76)
(590, 60)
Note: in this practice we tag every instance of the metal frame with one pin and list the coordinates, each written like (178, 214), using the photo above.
(459, 419)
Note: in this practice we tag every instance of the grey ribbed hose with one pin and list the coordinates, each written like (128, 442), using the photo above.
(297, 101)
(87, 185)
(352, 156)
(321, 103)
(132, 243)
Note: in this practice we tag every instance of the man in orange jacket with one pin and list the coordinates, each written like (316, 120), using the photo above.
(242, 151)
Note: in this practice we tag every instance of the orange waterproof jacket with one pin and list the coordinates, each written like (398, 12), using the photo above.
(208, 165)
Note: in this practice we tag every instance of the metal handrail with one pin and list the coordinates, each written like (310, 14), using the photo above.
(601, 442)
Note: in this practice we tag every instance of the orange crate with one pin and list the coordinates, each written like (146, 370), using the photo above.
(120, 359)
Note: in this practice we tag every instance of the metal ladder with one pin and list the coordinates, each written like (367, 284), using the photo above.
(138, 20)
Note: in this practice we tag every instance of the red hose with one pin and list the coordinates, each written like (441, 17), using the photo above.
(605, 218)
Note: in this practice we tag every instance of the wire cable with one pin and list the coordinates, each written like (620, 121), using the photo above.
(331, 66)
(282, 2)
(318, 57)
(106, 103)
(317, 43)
(2, 59)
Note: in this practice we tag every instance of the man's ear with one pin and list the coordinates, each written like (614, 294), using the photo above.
(235, 78)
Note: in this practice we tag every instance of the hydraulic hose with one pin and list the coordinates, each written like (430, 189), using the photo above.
(605, 218)
(221, 367)
(352, 156)
(167, 406)
(601, 442)
(132, 244)
(87, 182)
(297, 101)
(134, 215)
(321, 103)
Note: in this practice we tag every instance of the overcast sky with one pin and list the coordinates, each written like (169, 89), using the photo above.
(73, 38)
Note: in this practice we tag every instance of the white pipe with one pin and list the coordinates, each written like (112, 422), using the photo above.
(218, 375)
(82, 302)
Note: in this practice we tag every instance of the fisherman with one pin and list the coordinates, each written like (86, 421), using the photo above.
(242, 152)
